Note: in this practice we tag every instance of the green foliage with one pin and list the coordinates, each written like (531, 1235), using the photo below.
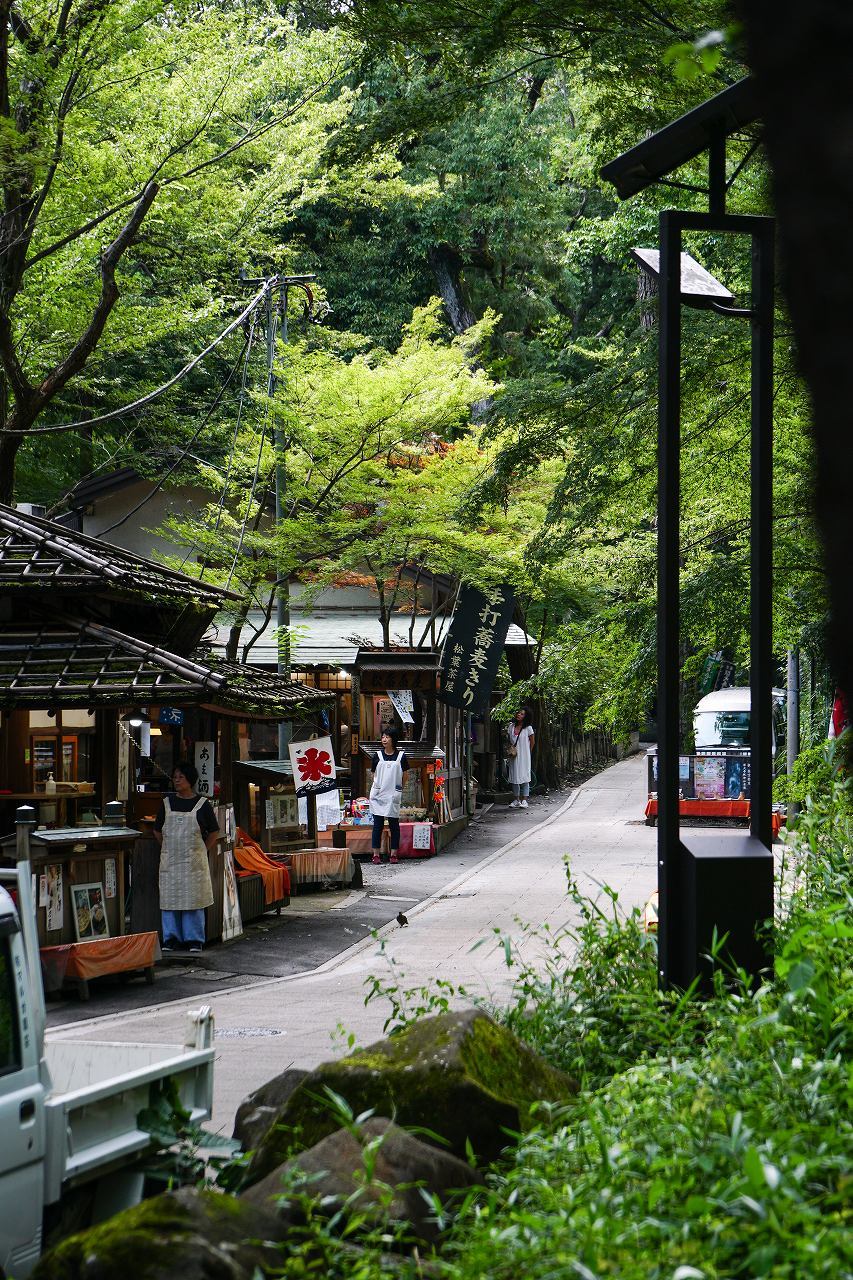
(185, 1154)
(811, 780)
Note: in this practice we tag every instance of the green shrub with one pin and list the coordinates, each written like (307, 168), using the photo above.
(719, 1145)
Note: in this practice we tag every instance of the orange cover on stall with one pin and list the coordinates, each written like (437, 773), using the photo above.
(249, 855)
(83, 960)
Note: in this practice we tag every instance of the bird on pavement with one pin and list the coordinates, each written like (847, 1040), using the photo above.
(402, 920)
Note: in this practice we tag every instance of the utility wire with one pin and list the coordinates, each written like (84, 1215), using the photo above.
(240, 407)
(154, 395)
(217, 400)
(272, 331)
(240, 540)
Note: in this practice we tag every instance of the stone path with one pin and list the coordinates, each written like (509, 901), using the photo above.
(455, 935)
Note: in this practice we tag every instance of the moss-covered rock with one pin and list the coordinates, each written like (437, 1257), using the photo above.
(257, 1113)
(459, 1075)
(378, 1169)
(182, 1235)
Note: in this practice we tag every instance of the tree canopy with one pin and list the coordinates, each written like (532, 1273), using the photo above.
(480, 399)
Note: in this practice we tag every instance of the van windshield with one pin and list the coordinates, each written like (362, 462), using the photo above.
(722, 729)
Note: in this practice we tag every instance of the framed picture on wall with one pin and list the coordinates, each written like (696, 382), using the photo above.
(283, 811)
(90, 912)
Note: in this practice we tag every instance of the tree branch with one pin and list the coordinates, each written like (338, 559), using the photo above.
(33, 400)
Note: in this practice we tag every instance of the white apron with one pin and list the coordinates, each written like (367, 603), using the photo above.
(387, 790)
(184, 869)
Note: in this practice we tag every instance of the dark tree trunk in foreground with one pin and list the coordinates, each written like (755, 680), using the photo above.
(802, 57)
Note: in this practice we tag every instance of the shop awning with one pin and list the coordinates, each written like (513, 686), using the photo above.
(73, 662)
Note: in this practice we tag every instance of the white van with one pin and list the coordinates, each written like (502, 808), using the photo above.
(721, 719)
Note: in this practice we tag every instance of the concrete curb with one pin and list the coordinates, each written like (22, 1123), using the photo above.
(67, 1030)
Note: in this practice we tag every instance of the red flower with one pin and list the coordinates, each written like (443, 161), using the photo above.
(315, 765)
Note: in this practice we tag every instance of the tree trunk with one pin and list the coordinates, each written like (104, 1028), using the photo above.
(447, 269)
(802, 56)
(9, 446)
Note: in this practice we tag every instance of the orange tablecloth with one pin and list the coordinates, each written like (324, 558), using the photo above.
(714, 809)
(249, 855)
(309, 866)
(79, 961)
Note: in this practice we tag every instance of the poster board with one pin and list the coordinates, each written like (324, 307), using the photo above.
(232, 918)
(54, 904)
(421, 835)
(89, 911)
(709, 778)
(282, 811)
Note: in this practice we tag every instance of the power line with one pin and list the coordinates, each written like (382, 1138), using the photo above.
(240, 408)
(217, 400)
(154, 395)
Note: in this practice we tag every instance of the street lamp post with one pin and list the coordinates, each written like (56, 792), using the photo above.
(713, 885)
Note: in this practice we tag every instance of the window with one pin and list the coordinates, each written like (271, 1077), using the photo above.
(10, 1050)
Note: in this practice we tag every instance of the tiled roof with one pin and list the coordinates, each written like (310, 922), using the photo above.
(35, 552)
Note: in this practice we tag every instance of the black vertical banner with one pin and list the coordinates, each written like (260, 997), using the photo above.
(473, 647)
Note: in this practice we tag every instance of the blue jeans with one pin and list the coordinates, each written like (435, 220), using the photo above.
(183, 926)
(393, 826)
(521, 789)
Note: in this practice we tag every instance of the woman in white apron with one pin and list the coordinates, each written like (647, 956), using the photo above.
(520, 735)
(186, 829)
(389, 765)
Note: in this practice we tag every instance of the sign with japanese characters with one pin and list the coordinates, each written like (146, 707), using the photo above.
(403, 701)
(204, 762)
(473, 647)
(314, 768)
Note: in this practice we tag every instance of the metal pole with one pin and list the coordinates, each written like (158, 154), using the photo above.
(717, 172)
(761, 519)
(669, 487)
(25, 820)
(793, 726)
(282, 608)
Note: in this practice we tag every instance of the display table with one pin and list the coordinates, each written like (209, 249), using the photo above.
(713, 809)
(322, 866)
(359, 840)
(81, 961)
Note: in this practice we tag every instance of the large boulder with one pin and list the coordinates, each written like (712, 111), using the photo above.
(379, 1169)
(257, 1113)
(181, 1235)
(459, 1075)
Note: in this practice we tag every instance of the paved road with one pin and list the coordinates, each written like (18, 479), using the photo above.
(264, 1028)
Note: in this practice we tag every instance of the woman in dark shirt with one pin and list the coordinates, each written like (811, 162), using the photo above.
(186, 830)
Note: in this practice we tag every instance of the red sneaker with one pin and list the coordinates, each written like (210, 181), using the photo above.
(376, 857)
(394, 858)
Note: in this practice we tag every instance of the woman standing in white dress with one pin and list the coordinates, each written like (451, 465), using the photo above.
(521, 737)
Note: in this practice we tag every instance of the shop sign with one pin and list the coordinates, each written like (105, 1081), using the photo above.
(205, 763)
(472, 651)
(170, 715)
(314, 769)
(404, 704)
